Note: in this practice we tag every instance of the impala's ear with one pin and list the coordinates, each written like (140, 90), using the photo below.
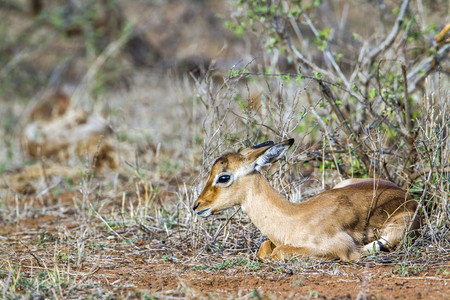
(256, 150)
(264, 154)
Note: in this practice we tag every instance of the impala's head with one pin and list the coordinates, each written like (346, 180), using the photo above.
(225, 185)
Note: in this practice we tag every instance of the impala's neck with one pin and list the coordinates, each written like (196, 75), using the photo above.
(268, 210)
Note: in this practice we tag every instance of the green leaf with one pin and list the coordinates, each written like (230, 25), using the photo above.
(338, 56)
(324, 33)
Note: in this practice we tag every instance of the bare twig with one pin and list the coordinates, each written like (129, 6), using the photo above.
(440, 37)
(88, 79)
(424, 172)
(216, 235)
(324, 126)
(423, 69)
(332, 101)
(259, 124)
(327, 53)
(392, 35)
(407, 102)
(307, 62)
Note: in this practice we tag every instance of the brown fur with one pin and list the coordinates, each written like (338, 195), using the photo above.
(333, 224)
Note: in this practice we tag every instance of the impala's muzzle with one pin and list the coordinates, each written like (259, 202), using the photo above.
(202, 213)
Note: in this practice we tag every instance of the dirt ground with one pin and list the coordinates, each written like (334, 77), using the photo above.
(350, 282)
(148, 267)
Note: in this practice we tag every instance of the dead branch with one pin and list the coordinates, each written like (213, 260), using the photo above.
(407, 102)
(423, 172)
(392, 35)
(423, 69)
(332, 101)
(343, 119)
(324, 126)
(440, 37)
(305, 61)
(327, 53)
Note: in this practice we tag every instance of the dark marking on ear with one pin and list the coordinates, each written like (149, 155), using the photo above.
(268, 143)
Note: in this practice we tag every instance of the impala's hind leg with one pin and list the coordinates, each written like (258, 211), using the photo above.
(391, 234)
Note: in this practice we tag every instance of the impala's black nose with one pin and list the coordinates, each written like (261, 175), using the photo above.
(195, 206)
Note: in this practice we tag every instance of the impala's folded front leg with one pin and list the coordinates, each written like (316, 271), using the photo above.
(265, 250)
(286, 252)
(283, 252)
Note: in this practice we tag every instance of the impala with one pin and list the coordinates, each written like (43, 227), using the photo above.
(355, 218)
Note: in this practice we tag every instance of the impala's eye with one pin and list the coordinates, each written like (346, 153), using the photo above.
(223, 179)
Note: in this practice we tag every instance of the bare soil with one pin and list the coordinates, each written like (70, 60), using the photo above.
(349, 282)
(147, 266)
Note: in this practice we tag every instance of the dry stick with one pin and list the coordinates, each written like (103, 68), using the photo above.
(104, 221)
(297, 53)
(87, 80)
(324, 126)
(329, 135)
(386, 122)
(7, 284)
(392, 35)
(35, 256)
(226, 223)
(327, 53)
(423, 172)
(259, 124)
(402, 130)
(440, 37)
(86, 276)
(408, 126)
(358, 97)
(218, 232)
(46, 179)
(332, 101)
(305, 61)
(386, 172)
(421, 206)
(407, 102)
(343, 120)
(422, 70)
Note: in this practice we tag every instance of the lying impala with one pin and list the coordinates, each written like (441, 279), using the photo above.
(355, 218)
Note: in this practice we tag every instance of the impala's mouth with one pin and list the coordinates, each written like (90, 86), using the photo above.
(204, 212)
